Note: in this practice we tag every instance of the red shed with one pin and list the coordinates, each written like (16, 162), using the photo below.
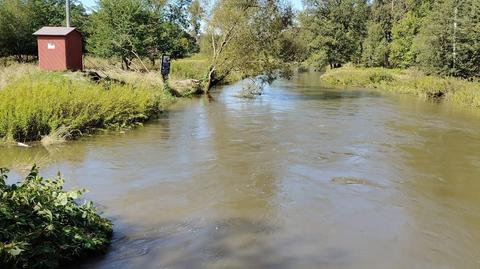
(59, 48)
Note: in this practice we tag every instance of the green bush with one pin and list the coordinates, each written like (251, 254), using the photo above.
(42, 226)
(380, 77)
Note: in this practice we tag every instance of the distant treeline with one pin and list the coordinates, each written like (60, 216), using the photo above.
(437, 36)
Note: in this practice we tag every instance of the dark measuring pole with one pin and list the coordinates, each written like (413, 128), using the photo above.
(165, 66)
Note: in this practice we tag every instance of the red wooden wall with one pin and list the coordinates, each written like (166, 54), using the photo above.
(51, 53)
(60, 53)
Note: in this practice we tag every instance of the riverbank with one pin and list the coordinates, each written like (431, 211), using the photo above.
(413, 82)
(56, 106)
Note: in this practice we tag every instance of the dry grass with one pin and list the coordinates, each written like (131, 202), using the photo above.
(181, 73)
(57, 136)
(15, 71)
(150, 79)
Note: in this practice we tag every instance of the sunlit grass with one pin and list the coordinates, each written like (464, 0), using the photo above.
(195, 67)
(449, 89)
(38, 104)
(15, 71)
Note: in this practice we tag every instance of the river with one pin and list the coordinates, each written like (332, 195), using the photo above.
(300, 177)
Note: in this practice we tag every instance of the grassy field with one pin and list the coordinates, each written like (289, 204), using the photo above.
(448, 89)
(36, 104)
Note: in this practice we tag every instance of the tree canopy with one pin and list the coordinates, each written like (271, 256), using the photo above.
(263, 36)
(253, 37)
(140, 28)
(19, 19)
(440, 37)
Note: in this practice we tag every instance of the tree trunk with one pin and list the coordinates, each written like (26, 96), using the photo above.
(126, 62)
(454, 46)
(211, 79)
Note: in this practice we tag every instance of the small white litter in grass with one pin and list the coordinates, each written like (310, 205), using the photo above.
(22, 145)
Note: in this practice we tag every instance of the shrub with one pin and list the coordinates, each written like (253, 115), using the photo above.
(380, 77)
(43, 226)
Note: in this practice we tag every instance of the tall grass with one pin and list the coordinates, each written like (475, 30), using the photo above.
(195, 67)
(449, 89)
(15, 71)
(39, 104)
(182, 72)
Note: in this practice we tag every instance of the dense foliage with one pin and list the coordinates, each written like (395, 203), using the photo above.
(440, 37)
(258, 36)
(19, 19)
(251, 37)
(335, 30)
(43, 226)
(140, 29)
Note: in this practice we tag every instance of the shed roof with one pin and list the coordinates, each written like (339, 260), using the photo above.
(55, 31)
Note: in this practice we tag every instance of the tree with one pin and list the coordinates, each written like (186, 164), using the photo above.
(139, 29)
(19, 19)
(449, 41)
(15, 30)
(248, 36)
(178, 38)
(402, 53)
(197, 13)
(119, 28)
(336, 29)
(404, 31)
(379, 35)
(376, 46)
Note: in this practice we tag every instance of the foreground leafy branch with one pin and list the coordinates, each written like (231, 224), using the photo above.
(43, 226)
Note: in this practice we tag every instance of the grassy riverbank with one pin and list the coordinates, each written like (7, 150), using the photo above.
(448, 89)
(55, 106)
(36, 104)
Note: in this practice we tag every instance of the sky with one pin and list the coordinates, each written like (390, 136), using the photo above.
(297, 4)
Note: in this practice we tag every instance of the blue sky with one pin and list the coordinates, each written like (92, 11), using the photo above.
(297, 4)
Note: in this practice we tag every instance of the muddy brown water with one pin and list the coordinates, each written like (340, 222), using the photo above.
(301, 177)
